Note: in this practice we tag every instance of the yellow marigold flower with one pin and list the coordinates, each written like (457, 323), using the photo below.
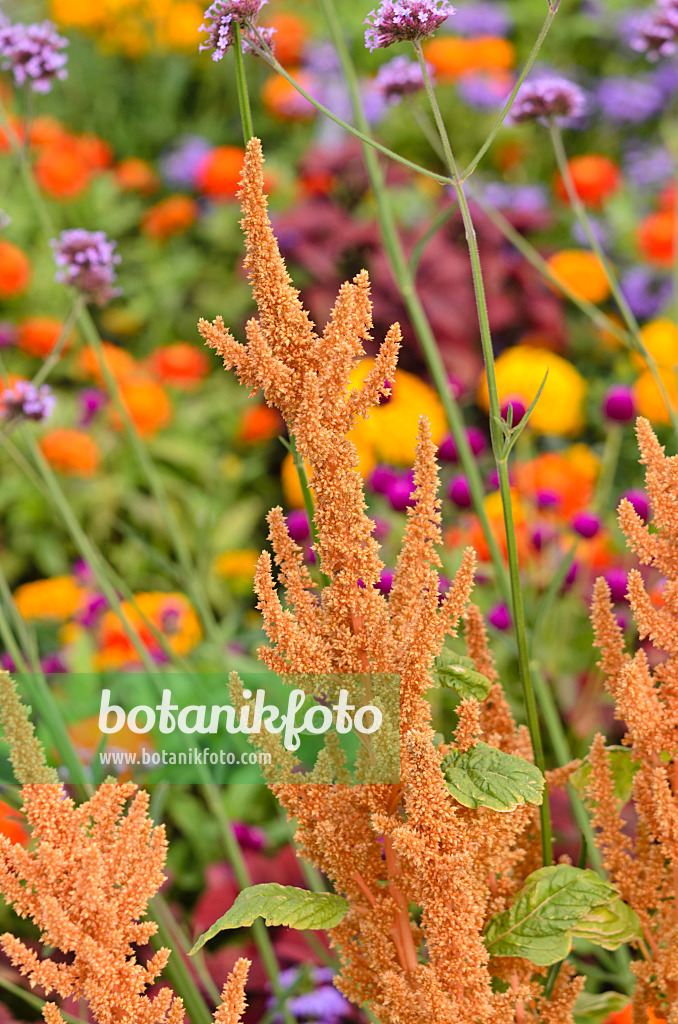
(77, 13)
(392, 428)
(583, 461)
(648, 397)
(56, 598)
(495, 510)
(238, 564)
(581, 272)
(660, 338)
(520, 371)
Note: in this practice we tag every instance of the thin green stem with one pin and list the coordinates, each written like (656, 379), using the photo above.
(501, 117)
(300, 467)
(56, 353)
(406, 284)
(434, 227)
(361, 133)
(617, 293)
(35, 1001)
(501, 459)
(608, 469)
(178, 970)
(241, 85)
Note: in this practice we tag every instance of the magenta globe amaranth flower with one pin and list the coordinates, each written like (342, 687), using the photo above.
(586, 524)
(33, 53)
(86, 261)
(640, 502)
(382, 478)
(545, 98)
(618, 404)
(298, 526)
(459, 491)
(385, 581)
(618, 581)
(515, 407)
(499, 616)
(401, 494)
(399, 21)
(24, 401)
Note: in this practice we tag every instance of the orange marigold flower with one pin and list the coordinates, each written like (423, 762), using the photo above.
(452, 57)
(595, 178)
(15, 270)
(569, 475)
(171, 216)
(11, 824)
(136, 175)
(96, 152)
(219, 172)
(147, 404)
(120, 363)
(38, 335)
(581, 272)
(18, 130)
(57, 598)
(291, 33)
(45, 130)
(259, 423)
(648, 397)
(180, 365)
(71, 452)
(656, 238)
(62, 171)
(170, 613)
(283, 100)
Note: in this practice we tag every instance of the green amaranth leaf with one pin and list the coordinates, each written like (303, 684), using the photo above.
(279, 905)
(487, 777)
(623, 769)
(457, 672)
(556, 905)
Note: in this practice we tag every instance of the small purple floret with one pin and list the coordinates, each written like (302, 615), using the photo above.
(33, 54)
(86, 260)
(224, 16)
(24, 401)
(399, 21)
(550, 97)
(400, 77)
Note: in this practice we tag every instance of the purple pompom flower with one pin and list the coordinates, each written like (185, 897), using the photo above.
(33, 54)
(399, 21)
(400, 77)
(24, 401)
(656, 33)
(86, 260)
(586, 524)
(618, 403)
(548, 97)
(459, 492)
(224, 16)
(640, 502)
(499, 616)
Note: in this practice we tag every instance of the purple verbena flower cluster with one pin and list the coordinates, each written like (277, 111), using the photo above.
(400, 77)
(24, 401)
(33, 54)
(224, 16)
(545, 98)
(656, 33)
(397, 21)
(86, 260)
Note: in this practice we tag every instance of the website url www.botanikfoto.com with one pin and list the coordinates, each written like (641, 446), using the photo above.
(195, 755)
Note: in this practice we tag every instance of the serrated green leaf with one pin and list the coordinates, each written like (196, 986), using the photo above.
(595, 1009)
(487, 777)
(556, 905)
(279, 905)
(457, 672)
(623, 769)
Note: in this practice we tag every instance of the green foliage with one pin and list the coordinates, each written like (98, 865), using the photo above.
(623, 769)
(595, 1009)
(457, 672)
(279, 905)
(555, 906)
(487, 777)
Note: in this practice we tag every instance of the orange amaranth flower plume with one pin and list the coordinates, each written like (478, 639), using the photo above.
(645, 870)
(386, 848)
(86, 883)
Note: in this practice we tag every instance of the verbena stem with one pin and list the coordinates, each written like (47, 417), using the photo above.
(501, 457)
(241, 86)
(406, 285)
